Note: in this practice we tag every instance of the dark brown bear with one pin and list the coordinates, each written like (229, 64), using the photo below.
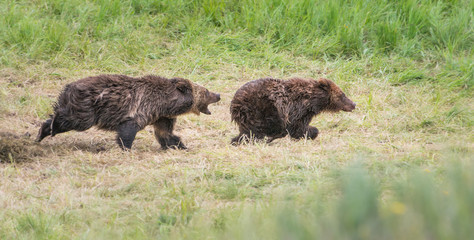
(273, 108)
(126, 105)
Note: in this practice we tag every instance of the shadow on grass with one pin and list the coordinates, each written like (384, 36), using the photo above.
(16, 148)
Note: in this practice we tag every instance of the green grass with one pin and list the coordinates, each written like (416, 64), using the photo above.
(399, 167)
(113, 34)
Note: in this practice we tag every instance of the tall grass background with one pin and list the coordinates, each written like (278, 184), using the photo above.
(127, 32)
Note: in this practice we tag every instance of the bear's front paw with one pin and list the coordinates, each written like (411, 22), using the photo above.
(173, 142)
(312, 133)
(241, 139)
(180, 145)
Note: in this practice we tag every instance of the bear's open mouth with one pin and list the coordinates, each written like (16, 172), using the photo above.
(207, 112)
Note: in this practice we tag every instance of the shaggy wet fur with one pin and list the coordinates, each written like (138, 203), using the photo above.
(126, 105)
(274, 108)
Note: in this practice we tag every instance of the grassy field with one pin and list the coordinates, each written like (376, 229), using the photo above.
(398, 167)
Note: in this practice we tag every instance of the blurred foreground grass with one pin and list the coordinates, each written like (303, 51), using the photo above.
(353, 206)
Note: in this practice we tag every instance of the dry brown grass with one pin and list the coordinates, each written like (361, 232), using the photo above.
(85, 175)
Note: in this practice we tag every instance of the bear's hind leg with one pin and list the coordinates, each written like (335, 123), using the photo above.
(164, 134)
(44, 131)
(241, 138)
(126, 133)
(245, 136)
(301, 131)
(280, 135)
(248, 137)
(54, 126)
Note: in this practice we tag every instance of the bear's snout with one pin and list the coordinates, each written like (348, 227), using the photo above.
(348, 107)
(215, 97)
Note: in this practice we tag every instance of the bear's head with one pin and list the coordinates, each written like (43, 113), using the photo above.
(337, 99)
(202, 99)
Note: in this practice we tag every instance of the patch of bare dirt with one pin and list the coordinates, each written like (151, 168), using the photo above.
(15, 148)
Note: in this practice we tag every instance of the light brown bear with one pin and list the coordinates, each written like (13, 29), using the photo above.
(273, 108)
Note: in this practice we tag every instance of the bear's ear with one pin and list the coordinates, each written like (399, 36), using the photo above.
(324, 84)
(182, 85)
